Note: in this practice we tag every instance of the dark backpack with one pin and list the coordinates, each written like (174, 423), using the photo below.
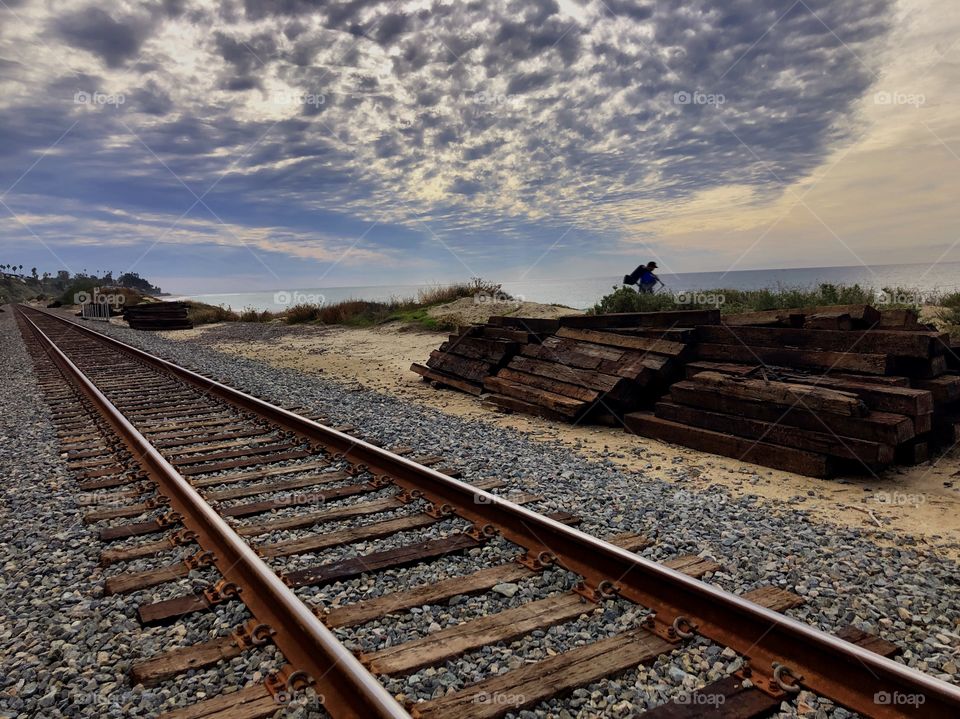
(632, 278)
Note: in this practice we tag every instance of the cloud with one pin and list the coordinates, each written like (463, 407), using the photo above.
(114, 40)
(499, 121)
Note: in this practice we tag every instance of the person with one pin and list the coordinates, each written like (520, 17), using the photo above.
(643, 277)
(648, 280)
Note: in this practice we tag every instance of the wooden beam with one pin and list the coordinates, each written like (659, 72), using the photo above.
(536, 325)
(614, 339)
(763, 318)
(458, 639)
(446, 379)
(551, 385)
(944, 389)
(880, 427)
(727, 698)
(555, 675)
(921, 345)
(556, 402)
(468, 369)
(561, 673)
(879, 364)
(367, 610)
(503, 403)
(870, 453)
(900, 319)
(785, 394)
(788, 459)
(350, 535)
(840, 321)
(899, 400)
(584, 378)
(670, 318)
(731, 368)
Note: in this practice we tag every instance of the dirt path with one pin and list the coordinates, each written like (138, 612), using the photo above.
(922, 501)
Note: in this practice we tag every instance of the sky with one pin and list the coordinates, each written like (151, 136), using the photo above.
(267, 144)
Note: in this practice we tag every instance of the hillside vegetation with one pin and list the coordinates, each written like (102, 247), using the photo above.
(63, 287)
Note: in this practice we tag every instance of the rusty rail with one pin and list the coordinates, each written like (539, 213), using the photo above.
(775, 645)
(347, 688)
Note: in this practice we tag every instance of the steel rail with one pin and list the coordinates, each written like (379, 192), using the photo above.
(347, 688)
(857, 678)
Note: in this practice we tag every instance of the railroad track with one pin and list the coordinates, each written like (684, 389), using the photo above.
(208, 498)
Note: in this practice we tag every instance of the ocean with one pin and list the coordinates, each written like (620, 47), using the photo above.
(919, 279)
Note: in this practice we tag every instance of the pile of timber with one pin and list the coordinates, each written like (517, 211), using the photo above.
(781, 390)
(465, 360)
(862, 342)
(158, 316)
(597, 366)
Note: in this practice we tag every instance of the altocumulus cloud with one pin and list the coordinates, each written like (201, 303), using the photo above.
(496, 121)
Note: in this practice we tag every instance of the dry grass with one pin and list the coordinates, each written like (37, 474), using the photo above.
(204, 314)
(362, 313)
(442, 294)
(250, 314)
(302, 313)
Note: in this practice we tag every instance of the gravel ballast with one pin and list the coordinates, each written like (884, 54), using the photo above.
(65, 648)
(905, 593)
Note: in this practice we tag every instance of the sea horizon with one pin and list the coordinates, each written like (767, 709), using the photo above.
(918, 278)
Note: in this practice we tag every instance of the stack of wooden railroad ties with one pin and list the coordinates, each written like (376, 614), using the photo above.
(158, 316)
(817, 391)
(575, 368)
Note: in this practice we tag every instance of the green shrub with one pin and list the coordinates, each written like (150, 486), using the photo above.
(949, 312)
(732, 301)
(627, 299)
(86, 286)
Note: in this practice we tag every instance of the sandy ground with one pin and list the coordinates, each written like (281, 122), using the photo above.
(477, 310)
(922, 501)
